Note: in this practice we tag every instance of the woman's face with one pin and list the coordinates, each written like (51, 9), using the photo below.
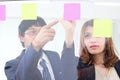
(94, 45)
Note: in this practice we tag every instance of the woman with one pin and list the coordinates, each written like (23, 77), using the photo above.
(98, 60)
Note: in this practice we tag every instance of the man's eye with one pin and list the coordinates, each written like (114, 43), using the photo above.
(33, 31)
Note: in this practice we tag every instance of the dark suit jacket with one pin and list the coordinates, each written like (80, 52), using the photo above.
(87, 72)
(24, 66)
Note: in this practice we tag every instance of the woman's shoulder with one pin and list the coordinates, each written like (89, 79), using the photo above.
(117, 67)
(117, 63)
(85, 71)
(82, 65)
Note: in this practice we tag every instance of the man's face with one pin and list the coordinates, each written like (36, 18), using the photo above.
(29, 35)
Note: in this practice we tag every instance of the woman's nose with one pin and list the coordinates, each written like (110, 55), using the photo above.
(93, 39)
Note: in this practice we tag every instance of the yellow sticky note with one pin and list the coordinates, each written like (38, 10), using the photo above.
(102, 28)
(29, 11)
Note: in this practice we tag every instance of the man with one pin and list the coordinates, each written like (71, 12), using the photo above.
(34, 34)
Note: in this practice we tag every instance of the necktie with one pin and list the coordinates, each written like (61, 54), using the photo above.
(46, 74)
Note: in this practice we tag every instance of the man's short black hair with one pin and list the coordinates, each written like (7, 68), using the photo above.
(25, 24)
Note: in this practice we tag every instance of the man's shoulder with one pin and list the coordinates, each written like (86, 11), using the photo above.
(12, 64)
(49, 51)
(13, 61)
(52, 54)
(16, 60)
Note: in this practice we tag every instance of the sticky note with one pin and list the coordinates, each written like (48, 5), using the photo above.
(72, 11)
(102, 28)
(29, 11)
(2, 12)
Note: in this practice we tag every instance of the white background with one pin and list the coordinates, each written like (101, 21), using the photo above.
(10, 46)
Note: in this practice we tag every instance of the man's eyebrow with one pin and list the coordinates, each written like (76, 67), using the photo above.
(31, 28)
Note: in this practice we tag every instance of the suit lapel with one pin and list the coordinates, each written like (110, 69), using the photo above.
(117, 67)
(91, 73)
(56, 64)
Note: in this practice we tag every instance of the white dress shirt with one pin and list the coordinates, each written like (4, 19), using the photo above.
(48, 64)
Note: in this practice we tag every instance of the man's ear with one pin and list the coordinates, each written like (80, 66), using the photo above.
(21, 38)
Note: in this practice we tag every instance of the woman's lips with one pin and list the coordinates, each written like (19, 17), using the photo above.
(94, 46)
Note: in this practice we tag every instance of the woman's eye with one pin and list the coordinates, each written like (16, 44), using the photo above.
(87, 35)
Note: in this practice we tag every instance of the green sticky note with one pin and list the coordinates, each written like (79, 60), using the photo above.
(29, 11)
(102, 28)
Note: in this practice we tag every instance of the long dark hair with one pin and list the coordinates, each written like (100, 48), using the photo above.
(109, 57)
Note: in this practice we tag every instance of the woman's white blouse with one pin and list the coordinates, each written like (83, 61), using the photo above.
(111, 75)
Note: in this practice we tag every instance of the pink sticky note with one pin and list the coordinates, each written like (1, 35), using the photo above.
(2, 12)
(72, 11)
